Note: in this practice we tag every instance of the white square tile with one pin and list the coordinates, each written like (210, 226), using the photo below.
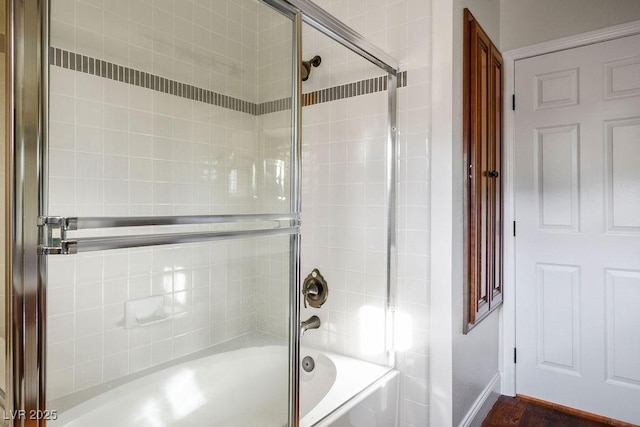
(61, 272)
(64, 11)
(88, 296)
(88, 374)
(139, 286)
(89, 113)
(89, 139)
(113, 316)
(88, 322)
(60, 383)
(88, 348)
(61, 82)
(60, 328)
(89, 268)
(89, 17)
(60, 356)
(88, 87)
(116, 118)
(60, 301)
(140, 336)
(62, 35)
(182, 345)
(61, 135)
(161, 351)
(115, 366)
(62, 108)
(116, 341)
(139, 358)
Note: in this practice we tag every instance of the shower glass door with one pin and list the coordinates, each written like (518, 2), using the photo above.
(172, 213)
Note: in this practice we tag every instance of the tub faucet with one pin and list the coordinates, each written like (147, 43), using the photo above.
(312, 322)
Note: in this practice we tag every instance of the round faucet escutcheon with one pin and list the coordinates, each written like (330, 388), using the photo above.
(314, 289)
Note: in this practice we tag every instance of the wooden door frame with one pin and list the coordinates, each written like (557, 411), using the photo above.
(508, 312)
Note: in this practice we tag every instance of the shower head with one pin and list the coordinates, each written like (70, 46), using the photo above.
(306, 66)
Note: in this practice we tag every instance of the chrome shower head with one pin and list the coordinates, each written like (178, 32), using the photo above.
(306, 66)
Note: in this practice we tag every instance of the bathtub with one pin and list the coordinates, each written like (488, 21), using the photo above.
(208, 392)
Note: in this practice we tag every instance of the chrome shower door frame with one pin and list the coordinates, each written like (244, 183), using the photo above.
(26, 115)
(327, 24)
(295, 207)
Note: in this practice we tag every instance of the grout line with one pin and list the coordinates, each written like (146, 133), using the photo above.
(109, 70)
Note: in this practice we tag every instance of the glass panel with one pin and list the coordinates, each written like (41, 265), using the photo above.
(344, 215)
(170, 335)
(159, 109)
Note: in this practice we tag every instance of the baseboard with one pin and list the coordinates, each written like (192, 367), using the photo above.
(483, 403)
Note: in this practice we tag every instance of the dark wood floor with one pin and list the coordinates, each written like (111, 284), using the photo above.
(516, 412)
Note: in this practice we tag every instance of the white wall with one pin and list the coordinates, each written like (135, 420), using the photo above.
(475, 355)
(441, 203)
(527, 22)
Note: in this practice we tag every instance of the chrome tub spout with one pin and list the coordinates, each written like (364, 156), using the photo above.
(311, 323)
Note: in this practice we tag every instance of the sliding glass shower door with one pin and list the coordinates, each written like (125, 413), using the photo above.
(154, 162)
(165, 164)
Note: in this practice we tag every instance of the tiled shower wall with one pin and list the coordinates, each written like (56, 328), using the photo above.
(343, 197)
(187, 157)
(344, 222)
(119, 149)
(344, 214)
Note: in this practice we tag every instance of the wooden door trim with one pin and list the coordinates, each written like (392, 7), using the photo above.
(508, 310)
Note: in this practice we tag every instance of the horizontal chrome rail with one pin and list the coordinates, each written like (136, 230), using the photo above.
(327, 24)
(90, 244)
(82, 223)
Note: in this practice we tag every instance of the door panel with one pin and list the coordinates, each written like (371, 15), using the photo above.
(558, 316)
(578, 213)
(556, 168)
(621, 171)
(622, 365)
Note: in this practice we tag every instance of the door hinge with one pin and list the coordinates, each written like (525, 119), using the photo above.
(514, 229)
(513, 102)
(515, 355)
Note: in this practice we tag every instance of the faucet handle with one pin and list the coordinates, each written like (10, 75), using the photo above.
(310, 290)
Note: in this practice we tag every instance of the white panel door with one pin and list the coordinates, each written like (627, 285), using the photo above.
(577, 186)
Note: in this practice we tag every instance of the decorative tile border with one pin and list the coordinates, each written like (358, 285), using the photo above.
(362, 87)
(109, 70)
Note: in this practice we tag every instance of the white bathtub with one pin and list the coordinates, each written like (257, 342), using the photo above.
(209, 392)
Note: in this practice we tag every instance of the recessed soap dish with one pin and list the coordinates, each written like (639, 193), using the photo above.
(145, 311)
